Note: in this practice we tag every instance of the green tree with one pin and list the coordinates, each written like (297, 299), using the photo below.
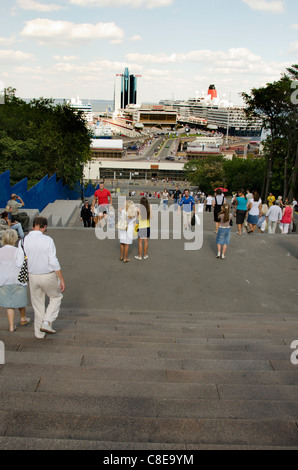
(207, 173)
(244, 173)
(39, 138)
(275, 105)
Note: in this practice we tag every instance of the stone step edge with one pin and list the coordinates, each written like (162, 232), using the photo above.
(179, 431)
(23, 443)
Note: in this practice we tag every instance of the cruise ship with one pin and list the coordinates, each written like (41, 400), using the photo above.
(77, 105)
(214, 114)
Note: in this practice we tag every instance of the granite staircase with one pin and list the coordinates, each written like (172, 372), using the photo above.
(143, 380)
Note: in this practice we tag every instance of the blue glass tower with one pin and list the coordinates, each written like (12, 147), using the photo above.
(127, 92)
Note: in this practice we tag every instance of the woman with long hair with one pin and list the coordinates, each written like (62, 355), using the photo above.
(219, 201)
(145, 214)
(241, 209)
(224, 231)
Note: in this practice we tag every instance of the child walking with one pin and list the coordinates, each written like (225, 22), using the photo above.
(224, 231)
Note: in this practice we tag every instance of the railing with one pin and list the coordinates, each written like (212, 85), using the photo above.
(43, 193)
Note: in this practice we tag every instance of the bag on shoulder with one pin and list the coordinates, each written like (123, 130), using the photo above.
(23, 276)
(122, 225)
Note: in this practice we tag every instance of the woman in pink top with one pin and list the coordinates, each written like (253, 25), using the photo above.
(287, 219)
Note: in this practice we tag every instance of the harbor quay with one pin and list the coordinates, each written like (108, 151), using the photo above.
(178, 353)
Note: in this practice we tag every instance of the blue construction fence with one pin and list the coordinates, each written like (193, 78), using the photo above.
(46, 191)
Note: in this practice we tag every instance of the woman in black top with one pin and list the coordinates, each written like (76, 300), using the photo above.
(219, 200)
(86, 215)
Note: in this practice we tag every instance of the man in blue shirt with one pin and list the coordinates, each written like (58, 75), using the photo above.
(189, 207)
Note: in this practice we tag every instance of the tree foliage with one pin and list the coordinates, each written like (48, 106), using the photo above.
(39, 138)
(211, 172)
(275, 103)
(207, 173)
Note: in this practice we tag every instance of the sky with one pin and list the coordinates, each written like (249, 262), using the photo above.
(69, 48)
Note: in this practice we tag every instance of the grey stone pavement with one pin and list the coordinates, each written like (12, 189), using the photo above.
(258, 274)
(182, 351)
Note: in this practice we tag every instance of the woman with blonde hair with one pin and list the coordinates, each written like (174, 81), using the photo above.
(13, 294)
(224, 231)
(128, 215)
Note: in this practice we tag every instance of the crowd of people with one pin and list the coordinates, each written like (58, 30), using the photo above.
(250, 213)
(253, 213)
(38, 251)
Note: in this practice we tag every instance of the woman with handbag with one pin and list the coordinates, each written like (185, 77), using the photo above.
(128, 215)
(13, 294)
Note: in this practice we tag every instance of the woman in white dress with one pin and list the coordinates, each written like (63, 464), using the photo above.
(128, 214)
(13, 294)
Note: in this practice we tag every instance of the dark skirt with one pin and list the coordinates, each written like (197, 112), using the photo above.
(217, 210)
(240, 217)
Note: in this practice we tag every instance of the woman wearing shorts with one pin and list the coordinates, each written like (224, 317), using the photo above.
(144, 227)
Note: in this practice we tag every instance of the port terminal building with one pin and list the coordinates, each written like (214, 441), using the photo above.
(97, 170)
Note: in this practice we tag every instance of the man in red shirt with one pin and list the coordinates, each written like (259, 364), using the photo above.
(102, 198)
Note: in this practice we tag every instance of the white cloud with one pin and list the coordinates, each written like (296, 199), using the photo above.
(12, 57)
(37, 6)
(276, 6)
(94, 67)
(136, 38)
(235, 57)
(45, 30)
(294, 26)
(66, 58)
(6, 42)
(234, 61)
(123, 3)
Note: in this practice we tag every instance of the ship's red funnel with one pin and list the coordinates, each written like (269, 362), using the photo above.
(212, 91)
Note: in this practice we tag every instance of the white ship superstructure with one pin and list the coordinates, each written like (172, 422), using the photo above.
(77, 105)
(216, 114)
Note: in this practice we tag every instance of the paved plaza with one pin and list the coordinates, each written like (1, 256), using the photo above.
(180, 351)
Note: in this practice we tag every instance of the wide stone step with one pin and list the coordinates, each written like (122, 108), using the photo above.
(146, 407)
(186, 432)
(150, 380)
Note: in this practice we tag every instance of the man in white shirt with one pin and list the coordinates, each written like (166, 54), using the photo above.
(45, 276)
(209, 203)
(274, 215)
